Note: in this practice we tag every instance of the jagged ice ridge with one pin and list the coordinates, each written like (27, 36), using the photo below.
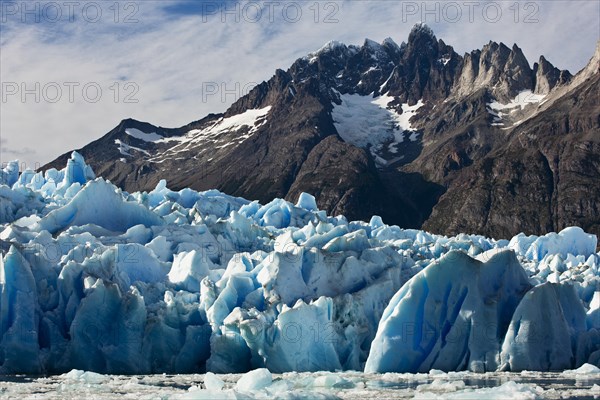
(97, 279)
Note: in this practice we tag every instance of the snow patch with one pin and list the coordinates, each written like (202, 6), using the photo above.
(251, 119)
(125, 149)
(146, 137)
(501, 112)
(369, 122)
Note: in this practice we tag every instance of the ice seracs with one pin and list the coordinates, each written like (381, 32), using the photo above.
(451, 316)
(19, 315)
(101, 204)
(544, 330)
(94, 278)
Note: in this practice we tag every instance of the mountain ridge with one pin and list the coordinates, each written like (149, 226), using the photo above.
(464, 114)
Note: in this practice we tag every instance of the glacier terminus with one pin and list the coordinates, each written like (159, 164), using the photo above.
(97, 279)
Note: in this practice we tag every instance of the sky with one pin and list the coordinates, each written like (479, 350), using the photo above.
(70, 71)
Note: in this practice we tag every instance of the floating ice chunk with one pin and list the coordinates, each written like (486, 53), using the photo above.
(213, 382)
(437, 372)
(442, 385)
(585, 369)
(331, 381)
(508, 390)
(85, 377)
(254, 380)
(281, 388)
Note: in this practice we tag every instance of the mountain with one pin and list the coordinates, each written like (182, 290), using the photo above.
(416, 133)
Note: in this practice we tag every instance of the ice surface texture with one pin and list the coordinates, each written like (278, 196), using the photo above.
(93, 278)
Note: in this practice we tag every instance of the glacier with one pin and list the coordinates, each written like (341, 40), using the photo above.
(93, 278)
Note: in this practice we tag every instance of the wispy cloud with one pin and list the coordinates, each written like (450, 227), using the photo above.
(155, 60)
(26, 152)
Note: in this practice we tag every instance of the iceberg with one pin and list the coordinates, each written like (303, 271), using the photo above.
(96, 279)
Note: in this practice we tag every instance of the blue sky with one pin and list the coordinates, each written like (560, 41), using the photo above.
(70, 73)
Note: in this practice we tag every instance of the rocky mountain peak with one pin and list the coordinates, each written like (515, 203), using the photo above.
(378, 52)
(503, 71)
(593, 66)
(423, 67)
(517, 58)
(517, 74)
(547, 76)
(331, 46)
(421, 39)
(390, 44)
(421, 30)
(262, 95)
(597, 57)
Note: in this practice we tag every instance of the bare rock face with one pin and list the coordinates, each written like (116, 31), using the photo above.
(491, 145)
(544, 178)
(547, 76)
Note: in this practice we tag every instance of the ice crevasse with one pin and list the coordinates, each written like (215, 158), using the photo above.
(94, 278)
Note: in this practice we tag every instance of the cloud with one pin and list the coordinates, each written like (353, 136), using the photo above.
(156, 61)
(26, 152)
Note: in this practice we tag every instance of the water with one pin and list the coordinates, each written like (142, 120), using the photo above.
(347, 385)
